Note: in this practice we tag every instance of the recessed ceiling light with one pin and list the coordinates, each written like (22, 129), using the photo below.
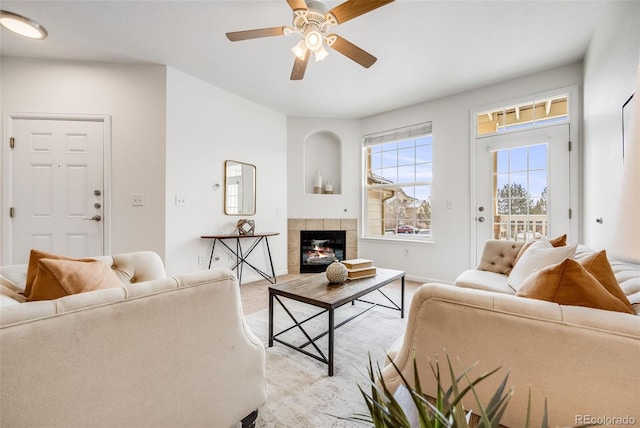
(21, 25)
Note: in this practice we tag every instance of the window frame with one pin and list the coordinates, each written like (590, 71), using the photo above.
(398, 135)
(573, 120)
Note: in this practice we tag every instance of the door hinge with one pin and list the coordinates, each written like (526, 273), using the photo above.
(569, 213)
(569, 144)
(12, 142)
(12, 212)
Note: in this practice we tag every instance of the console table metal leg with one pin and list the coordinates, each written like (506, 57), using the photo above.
(273, 272)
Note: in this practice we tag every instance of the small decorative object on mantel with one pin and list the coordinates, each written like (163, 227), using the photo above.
(336, 273)
(317, 183)
(328, 188)
(245, 227)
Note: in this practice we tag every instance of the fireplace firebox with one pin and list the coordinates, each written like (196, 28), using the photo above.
(320, 248)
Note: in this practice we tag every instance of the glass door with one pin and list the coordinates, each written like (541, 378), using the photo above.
(523, 187)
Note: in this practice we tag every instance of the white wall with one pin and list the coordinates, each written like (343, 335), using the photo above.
(610, 70)
(448, 255)
(134, 97)
(343, 205)
(206, 126)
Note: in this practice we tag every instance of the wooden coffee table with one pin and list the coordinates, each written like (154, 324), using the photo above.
(315, 290)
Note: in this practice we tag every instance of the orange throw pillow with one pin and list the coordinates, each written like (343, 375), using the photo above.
(568, 283)
(560, 241)
(598, 265)
(32, 268)
(58, 278)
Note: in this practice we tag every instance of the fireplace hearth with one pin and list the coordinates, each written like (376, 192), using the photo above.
(320, 248)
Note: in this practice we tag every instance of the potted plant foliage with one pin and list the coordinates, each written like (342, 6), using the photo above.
(409, 407)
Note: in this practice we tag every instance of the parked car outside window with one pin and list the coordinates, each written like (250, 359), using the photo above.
(405, 228)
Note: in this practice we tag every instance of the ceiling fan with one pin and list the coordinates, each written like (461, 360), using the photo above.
(313, 22)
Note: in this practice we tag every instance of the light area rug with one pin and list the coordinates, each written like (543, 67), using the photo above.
(299, 391)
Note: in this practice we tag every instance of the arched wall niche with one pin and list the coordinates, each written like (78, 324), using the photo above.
(322, 163)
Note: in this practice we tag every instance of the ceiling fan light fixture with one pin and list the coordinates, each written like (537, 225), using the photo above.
(320, 53)
(22, 25)
(313, 40)
(300, 49)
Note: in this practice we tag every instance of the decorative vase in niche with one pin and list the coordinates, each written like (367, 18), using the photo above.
(336, 273)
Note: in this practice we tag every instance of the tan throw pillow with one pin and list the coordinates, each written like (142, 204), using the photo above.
(499, 256)
(598, 265)
(32, 268)
(538, 256)
(58, 278)
(569, 283)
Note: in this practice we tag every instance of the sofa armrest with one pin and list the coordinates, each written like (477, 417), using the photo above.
(176, 355)
(583, 360)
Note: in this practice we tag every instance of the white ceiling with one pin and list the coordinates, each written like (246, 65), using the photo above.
(425, 49)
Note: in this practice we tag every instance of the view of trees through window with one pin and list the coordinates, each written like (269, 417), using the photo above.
(520, 192)
(398, 187)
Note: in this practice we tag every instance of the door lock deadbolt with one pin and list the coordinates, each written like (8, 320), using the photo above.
(97, 205)
(97, 192)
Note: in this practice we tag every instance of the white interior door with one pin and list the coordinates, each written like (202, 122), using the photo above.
(57, 188)
(523, 185)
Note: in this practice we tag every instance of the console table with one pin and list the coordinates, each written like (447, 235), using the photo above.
(241, 256)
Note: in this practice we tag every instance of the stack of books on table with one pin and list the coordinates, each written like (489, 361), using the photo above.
(359, 268)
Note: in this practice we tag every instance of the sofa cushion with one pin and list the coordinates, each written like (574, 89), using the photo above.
(569, 283)
(499, 256)
(32, 269)
(538, 256)
(483, 280)
(58, 278)
(598, 265)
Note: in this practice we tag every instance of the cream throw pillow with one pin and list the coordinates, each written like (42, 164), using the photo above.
(58, 278)
(539, 255)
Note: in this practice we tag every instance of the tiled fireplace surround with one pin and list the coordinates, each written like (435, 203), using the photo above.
(295, 225)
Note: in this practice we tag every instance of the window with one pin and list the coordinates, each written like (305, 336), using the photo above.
(397, 183)
(520, 192)
(525, 115)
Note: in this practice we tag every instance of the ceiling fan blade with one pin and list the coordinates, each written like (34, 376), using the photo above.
(235, 36)
(353, 52)
(297, 5)
(300, 66)
(354, 8)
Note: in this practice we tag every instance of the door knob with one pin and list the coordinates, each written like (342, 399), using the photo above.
(481, 219)
(94, 218)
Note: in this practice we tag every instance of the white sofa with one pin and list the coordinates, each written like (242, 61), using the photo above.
(584, 361)
(158, 351)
